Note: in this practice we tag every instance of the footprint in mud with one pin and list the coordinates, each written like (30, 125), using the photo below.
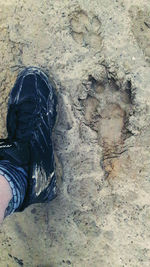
(106, 112)
(86, 31)
(108, 122)
(141, 28)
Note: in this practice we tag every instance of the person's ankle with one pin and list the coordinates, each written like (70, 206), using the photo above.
(5, 196)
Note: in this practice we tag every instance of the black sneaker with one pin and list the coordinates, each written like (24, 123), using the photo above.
(30, 121)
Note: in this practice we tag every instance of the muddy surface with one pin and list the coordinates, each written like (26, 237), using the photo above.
(98, 55)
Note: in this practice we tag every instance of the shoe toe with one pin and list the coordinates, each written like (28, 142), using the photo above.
(25, 87)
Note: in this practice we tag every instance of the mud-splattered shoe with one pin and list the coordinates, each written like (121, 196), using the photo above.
(30, 120)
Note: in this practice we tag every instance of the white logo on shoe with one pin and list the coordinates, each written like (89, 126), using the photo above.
(5, 146)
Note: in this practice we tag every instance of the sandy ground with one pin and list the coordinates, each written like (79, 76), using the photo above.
(98, 54)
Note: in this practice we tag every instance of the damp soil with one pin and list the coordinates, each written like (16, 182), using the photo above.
(97, 54)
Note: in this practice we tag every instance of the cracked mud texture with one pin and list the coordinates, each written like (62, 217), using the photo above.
(97, 53)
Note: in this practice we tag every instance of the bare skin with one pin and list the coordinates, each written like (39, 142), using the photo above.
(5, 196)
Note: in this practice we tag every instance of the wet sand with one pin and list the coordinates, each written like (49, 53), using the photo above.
(97, 53)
